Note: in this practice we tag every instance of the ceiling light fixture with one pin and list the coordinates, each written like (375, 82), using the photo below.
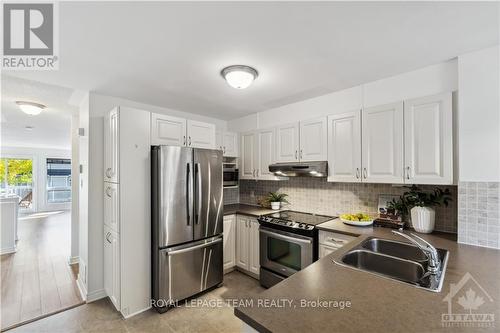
(30, 107)
(239, 76)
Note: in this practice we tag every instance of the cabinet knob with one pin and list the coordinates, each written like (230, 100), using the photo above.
(407, 172)
(357, 173)
(365, 173)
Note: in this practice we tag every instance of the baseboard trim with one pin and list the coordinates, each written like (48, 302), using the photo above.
(81, 288)
(136, 313)
(73, 260)
(7, 250)
(96, 295)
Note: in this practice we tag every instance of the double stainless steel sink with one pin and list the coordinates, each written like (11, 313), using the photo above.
(395, 260)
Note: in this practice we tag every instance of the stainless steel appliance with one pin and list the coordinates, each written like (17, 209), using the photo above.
(300, 169)
(187, 213)
(288, 243)
(231, 175)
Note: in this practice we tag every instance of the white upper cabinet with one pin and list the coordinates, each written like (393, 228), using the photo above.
(287, 143)
(264, 153)
(382, 144)
(174, 131)
(168, 130)
(230, 144)
(344, 147)
(247, 166)
(313, 140)
(200, 134)
(111, 146)
(429, 140)
(227, 142)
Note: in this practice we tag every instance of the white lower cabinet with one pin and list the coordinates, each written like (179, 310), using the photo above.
(247, 244)
(229, 242)
(112, 266)
(329, 242)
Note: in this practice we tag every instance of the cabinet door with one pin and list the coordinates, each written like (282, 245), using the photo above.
(429, 140)
(219, 141)
(112, 266)
(325, 250)
(254, 260)
(200, 134)
(242, 246)
(111, 146)
(287, 143)
(112, 206)
(247, 167)
(382, 144)
(168, 130)
(230, 144)
(264, 153)
(344, 147)
(313, 140)
(229, 241)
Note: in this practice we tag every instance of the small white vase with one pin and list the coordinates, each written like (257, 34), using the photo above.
(423, 219)
(275, 205)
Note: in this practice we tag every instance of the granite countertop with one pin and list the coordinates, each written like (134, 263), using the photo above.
(246, 210)
(377, 304)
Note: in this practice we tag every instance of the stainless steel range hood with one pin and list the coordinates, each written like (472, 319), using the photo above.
(300, 169)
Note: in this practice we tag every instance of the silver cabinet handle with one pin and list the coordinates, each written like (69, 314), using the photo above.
(257, 172)
(300, 154)
(107, 237)
(253, 173)
(223, 150)
(296, 154)
(108, 172)
(108, 191)
(357, 173)
(407, 172)
(184, 140)
(365, 173)
(190, 140)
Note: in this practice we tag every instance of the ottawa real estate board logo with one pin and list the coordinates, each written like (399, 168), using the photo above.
(30, 36)
(469, 305)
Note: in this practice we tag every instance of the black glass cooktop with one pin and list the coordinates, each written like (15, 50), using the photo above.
(299, 217)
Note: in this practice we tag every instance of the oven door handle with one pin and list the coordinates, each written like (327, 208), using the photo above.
(288, 238)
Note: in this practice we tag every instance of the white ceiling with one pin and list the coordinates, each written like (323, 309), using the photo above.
(170, 54)
(51, 128)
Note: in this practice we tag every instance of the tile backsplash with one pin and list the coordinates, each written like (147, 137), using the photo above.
(231, 196)
(478, 213)
(316, 195)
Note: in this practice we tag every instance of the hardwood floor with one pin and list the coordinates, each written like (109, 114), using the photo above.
(37, 280)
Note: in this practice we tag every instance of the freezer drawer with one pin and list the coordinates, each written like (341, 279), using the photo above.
(187, 270)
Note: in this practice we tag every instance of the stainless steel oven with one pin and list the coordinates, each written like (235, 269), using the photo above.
(231, 175)
(284, 252)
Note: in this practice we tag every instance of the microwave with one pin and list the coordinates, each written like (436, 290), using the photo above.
(231, 176)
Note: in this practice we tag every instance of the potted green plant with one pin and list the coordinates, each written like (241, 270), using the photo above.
(276, 199)
(419, 205)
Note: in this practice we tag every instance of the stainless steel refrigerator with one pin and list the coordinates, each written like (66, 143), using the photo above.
(187, 218)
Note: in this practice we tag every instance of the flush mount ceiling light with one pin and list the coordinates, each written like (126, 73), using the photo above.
(239, 76)
(30, 107)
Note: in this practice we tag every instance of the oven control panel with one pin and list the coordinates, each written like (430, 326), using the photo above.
(289, 224)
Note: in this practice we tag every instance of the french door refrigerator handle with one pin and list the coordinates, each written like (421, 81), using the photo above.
(188, 193)
(197, 171)
(187, 249)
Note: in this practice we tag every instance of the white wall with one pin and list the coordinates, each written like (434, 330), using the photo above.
(479, 115)
(99, 105)
(75, 184)
(83, 195)
(39, 156)
(422, 82)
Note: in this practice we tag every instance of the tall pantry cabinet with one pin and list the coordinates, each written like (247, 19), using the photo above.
(127, 235)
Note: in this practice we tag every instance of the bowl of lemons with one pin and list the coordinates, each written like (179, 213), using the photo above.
(358, 220)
